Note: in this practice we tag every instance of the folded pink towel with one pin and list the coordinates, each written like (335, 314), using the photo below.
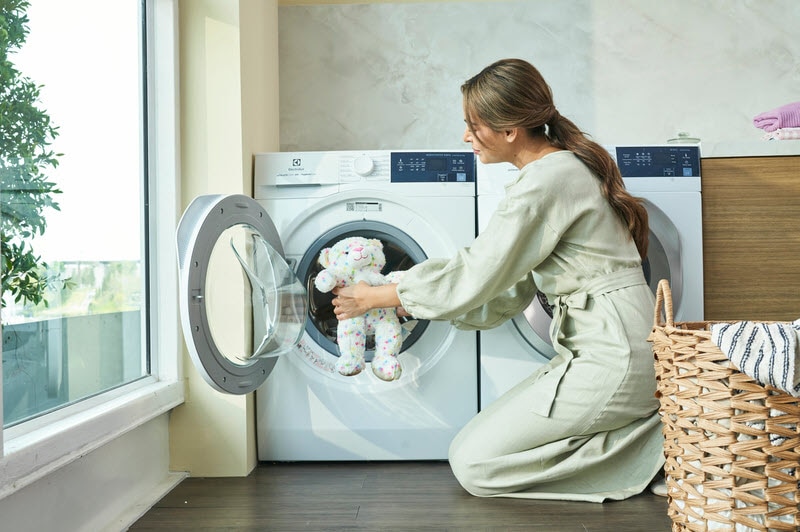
(784, 116)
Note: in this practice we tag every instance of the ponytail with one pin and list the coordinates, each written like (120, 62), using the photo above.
(563, 133)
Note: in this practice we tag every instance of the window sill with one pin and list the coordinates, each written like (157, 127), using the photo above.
(34, 450)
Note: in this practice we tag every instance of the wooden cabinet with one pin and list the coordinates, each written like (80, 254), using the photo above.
(751, 238)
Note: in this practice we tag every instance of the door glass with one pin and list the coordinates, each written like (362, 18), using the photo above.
(540, 315)
(255, 305)
(534, 325)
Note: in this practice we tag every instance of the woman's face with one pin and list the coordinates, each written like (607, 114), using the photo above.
(487, 144)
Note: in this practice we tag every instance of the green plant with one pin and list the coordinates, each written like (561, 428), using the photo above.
(25, 154)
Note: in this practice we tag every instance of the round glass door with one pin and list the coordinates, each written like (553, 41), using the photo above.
(533, 324)
(241, 304)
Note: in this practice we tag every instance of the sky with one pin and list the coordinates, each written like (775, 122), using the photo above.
(85, 54)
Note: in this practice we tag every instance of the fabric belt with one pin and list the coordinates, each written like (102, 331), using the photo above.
(576, 300)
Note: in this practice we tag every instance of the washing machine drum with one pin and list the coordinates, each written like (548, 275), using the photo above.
(401, 251)
(533, 324)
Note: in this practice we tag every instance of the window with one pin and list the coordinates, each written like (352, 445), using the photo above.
(103, 357)
(91, 334)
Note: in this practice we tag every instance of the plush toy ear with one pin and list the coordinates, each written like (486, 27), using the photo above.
(376, 249)
(324, 257)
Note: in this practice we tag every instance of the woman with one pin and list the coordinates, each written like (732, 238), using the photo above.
(585, 426)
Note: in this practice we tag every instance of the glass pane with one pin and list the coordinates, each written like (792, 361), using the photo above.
(88, 333)
(228, 298)
(255, 304)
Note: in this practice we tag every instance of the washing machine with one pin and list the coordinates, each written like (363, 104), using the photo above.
(282, 342)
(667, 177)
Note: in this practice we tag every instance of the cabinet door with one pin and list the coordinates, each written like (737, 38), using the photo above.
(751, 215)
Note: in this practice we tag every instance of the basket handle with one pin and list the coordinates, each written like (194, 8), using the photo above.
(663, 297)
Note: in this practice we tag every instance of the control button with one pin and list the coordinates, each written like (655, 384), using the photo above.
(363, 165)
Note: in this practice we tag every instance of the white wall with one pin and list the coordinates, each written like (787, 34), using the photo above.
(388, 75)
(105, 490)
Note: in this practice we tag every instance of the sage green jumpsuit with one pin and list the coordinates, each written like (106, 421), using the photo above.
(585, 426)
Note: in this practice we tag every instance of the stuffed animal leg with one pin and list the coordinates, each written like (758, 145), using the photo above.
(352, 344)
(388, 341)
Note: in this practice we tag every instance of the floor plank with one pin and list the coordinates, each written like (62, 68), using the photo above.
(379, 496)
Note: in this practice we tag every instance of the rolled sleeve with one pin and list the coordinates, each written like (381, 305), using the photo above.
(515, 241)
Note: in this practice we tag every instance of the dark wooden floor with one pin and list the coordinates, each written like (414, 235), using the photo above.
(379, 496)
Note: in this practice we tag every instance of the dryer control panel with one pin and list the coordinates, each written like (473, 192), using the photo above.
(432, 167)
(673, 160)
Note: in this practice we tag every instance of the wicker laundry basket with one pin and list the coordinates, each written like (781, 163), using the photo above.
(722, 471)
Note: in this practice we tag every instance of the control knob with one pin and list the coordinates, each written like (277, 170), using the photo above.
(363, 165)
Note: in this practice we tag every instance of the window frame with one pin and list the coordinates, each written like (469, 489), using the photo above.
(31, 450)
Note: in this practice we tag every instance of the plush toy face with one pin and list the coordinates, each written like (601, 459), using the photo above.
(354, 253)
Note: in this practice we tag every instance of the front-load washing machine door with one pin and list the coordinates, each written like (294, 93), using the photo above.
(241, 305)
(533, 325)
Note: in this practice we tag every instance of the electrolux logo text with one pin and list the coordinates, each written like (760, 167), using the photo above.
(297, 165)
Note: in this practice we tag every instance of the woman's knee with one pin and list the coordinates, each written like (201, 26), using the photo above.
(470, 470)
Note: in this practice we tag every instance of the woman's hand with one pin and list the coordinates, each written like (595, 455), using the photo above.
(350, 301)
(356, 300)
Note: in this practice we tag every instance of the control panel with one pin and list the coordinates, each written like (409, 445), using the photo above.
(658, 161)
(433, 167)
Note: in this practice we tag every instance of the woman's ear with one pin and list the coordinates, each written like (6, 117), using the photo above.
(511, 134)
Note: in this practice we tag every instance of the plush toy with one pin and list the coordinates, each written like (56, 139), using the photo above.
(348, 262)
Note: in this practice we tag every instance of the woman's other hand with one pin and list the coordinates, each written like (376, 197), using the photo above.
(356, 300)
(351, 301)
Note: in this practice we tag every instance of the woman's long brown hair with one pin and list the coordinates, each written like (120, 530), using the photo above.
(511, 93)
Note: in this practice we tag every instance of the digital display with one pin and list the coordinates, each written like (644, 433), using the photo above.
(433, 167)
(436, 164)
